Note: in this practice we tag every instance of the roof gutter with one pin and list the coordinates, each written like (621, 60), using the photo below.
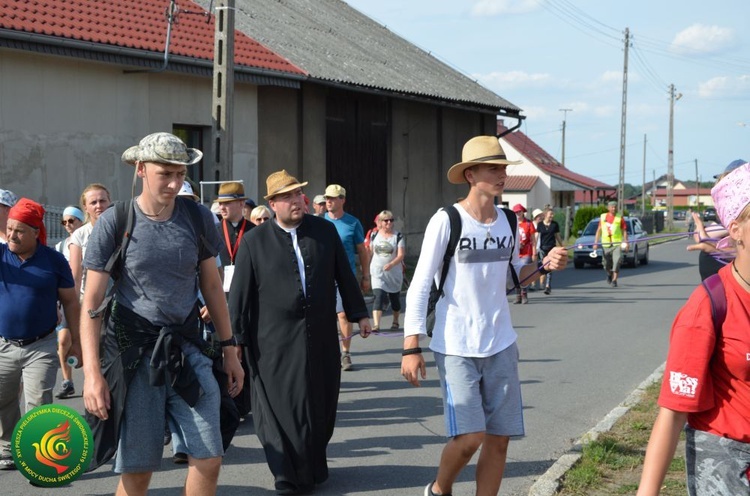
(510, 130)
(417, 98)
(88, 46)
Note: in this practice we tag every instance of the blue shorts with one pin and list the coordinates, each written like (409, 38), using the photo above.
(481, 394)
(141, 444)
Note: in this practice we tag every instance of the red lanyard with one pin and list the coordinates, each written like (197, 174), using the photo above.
(233, 251)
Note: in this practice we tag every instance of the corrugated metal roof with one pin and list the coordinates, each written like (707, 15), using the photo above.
(333, 42)
(136, 25)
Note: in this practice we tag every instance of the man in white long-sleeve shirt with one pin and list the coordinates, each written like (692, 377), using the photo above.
(473, 340)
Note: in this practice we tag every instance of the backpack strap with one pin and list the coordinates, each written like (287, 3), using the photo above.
(124, 213)
(450, 250)
(718, 298)
(513, 221)
(205, 249)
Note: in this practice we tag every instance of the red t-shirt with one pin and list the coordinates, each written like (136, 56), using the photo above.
(708, 379)
(525, 238)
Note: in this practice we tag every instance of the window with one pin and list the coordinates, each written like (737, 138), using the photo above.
(193, 138)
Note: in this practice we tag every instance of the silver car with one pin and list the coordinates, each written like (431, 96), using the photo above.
(637, 252)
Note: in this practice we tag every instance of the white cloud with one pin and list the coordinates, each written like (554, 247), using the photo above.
(513, 79)
(702, 39)
(484, 8)
(724, 88)
(610, 76)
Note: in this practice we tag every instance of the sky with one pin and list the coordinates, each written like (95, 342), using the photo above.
(547, 55)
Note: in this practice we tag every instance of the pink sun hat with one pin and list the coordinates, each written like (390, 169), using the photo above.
(731, 195)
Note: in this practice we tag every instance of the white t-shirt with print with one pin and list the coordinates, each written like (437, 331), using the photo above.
(473, 318)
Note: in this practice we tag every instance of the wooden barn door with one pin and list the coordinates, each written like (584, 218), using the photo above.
(357, 151)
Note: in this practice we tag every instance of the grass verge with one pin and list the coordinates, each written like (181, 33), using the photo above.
(612, 464)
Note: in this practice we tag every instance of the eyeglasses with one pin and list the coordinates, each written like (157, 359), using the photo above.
(69, 221)
(387, 220)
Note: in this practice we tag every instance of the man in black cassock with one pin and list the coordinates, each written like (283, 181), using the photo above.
(283, 307)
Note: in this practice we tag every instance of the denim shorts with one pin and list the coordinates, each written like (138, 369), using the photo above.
(481, 394)
(147, 408)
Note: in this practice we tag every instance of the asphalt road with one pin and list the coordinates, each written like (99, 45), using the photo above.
(584, 348)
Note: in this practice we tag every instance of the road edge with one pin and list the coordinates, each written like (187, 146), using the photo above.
(549, 483)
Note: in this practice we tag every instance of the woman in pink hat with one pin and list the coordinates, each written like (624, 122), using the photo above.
(706, 386)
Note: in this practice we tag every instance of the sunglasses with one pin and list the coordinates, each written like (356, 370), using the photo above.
(263, 219)
(387, 220)
(69, 221)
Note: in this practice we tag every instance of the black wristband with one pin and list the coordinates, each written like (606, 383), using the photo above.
(229, 342)
(411, 351)
(541, 269)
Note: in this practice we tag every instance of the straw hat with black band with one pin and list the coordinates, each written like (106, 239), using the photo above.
(477, 151)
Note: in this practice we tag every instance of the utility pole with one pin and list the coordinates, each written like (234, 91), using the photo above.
(621, 184)
(697, 188)
(223, 90)
(670, 158)
(643, 179)
(565, 116)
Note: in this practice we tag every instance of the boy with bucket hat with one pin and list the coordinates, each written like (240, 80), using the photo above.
(473, 340)
(284, 315)
(156, 364)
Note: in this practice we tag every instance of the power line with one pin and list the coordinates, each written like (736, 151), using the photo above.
(577, 22)
(648, 71)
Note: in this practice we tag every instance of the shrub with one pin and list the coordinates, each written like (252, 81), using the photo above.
(584, 215)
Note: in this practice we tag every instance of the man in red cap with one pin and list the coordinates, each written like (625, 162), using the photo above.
(33, 277)
(526, 247)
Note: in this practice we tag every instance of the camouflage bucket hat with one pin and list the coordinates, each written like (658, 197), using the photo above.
(163, 148)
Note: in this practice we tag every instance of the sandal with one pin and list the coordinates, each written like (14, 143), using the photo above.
(395, 327)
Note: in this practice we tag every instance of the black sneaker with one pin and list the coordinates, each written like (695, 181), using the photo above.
(547, 290)
(614, 284)
(66, 390)
(167, 435)
(180, 458)
(428, 491)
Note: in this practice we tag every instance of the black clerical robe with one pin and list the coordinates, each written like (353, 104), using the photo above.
(291, 341)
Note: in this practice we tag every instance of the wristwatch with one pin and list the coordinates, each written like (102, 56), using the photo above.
(229, 342)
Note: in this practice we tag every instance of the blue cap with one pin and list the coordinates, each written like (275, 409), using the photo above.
(732, 165)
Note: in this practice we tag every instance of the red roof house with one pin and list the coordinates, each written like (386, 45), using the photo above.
(555, 184)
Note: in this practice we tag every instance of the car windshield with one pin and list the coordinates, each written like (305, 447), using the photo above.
(594, 225)
(591, 228)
